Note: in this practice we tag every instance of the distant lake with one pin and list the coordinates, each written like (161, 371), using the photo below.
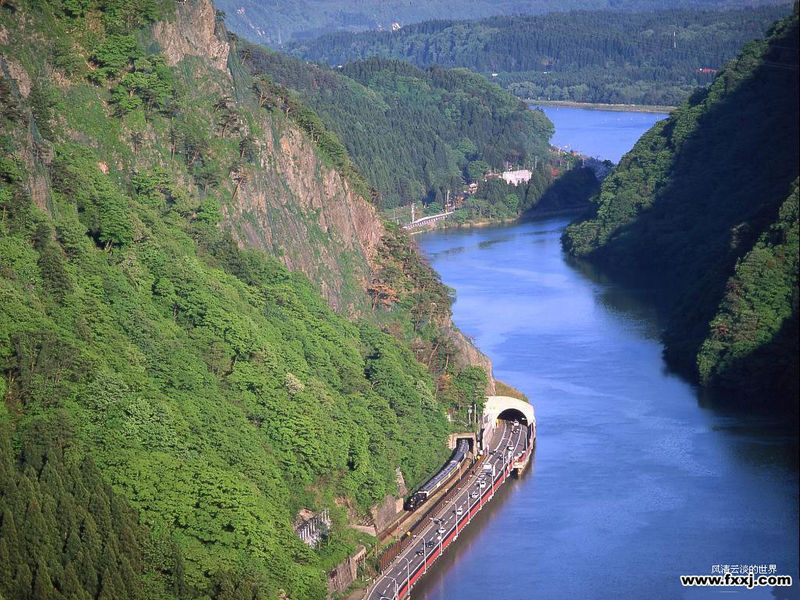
(605, 134)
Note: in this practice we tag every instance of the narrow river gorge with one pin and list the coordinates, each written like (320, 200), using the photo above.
(636, 478)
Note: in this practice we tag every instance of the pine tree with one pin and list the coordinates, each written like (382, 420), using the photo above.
(100, 511)
(92, 542)
(179, 574)
(87, 573)
(128, 578)
(22, 583)
(51, 478)
(128, 541)
(68, 583)
(224, 588)
(7, 471)
(108, 591)
(6, 567)
(50, 522)
(42, 584)
(67, 519)
(8, 534)
(79, 491)
(35, 532)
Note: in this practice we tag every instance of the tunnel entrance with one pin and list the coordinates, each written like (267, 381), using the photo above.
(512, 414)
(506, 408)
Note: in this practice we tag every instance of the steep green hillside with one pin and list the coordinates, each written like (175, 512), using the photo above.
(412, 133)
(752, 340)
(597, 56)
(172, 393)
(276, 22)
(705, 204)
(64, 529)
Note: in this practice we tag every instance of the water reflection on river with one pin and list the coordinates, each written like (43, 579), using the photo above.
(633, 482)
(605, 134)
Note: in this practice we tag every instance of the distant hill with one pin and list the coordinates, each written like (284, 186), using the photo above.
(706, 204)
(279, 21)
(413, 133)
(586, 56)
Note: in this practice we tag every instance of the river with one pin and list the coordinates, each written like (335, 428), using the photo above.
(635, 480)
(604, 134)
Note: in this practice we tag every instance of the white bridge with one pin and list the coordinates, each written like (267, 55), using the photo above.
(426, 220)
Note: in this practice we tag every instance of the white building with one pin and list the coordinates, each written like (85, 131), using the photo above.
(517, 177)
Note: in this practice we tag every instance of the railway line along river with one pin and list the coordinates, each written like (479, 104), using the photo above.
(636, 479)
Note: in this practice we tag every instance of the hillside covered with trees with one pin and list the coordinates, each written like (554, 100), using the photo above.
(705, 205)
(413, 134)
(173, 394)
(280, 21)
(655, 58)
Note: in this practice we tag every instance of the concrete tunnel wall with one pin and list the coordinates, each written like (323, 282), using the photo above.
(497, 405)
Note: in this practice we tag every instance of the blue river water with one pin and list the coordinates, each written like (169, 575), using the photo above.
(636, 479)
(604, 134)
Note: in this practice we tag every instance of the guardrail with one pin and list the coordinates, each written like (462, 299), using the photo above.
(392, 551)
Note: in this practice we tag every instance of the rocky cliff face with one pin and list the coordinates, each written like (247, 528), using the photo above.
(193, 32)
(292, 204)
(467, 354)
(302, 211)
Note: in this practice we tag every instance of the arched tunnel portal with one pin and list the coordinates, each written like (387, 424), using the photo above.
(506, 408)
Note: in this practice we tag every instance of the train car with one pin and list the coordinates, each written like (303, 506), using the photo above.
(442, 476)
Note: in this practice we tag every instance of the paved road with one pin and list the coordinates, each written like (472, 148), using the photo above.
(452, 517)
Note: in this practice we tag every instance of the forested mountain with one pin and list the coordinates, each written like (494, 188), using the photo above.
(279, 21)
(413, 134)
(706, 204)
(176, 385)
(586, 56)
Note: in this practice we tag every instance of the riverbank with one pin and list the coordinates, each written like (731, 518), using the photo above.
(642, 108)
(532, 215)
(445, 224)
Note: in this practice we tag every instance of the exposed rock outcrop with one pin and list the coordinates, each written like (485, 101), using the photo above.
(192, 33)
(293, 201)
(467, 354)
(293, 205)
(386, 512)
(19, 75)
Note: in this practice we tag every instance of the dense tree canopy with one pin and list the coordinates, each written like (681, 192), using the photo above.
(705, 204)
(599, 56)
(171, 398)
(275, 23)
(413, 133)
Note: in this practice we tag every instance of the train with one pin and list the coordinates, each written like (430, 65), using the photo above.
(419, 497)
